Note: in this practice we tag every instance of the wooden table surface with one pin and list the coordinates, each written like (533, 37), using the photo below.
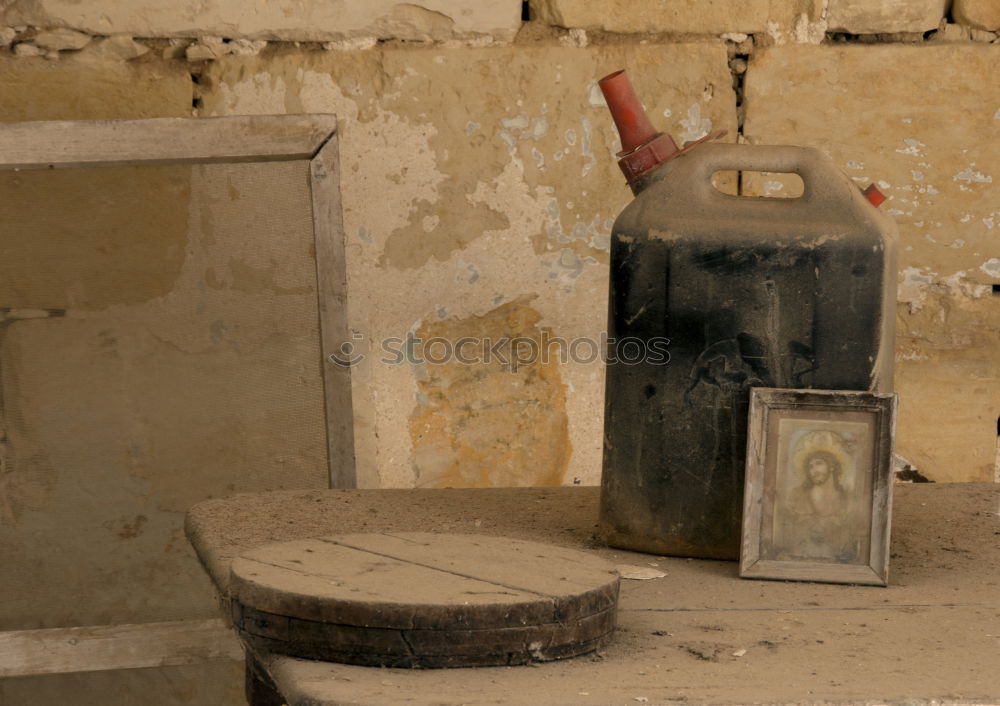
(699, 634)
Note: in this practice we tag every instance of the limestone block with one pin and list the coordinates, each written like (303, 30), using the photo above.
(921, 123)
(206, 49)
(885, 16)
(303, 20)
(479, 190)
(981, 14)
(674, 16)
(62, 39)
(176, 48)
(950, 32)
(79, 89)
(25, 49)
(120, 47)
(247, 47)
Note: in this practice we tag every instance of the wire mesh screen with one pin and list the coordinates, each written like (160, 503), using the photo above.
(159, 345)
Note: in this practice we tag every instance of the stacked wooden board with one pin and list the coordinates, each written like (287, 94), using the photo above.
(423, 600)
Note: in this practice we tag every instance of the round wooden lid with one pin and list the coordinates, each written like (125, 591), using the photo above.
(423, 600)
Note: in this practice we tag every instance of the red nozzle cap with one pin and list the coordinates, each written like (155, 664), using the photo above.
(643, 148)
(875, 197)
(626, 110)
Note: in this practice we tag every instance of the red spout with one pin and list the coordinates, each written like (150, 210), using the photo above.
(643, 148)
(626, 110)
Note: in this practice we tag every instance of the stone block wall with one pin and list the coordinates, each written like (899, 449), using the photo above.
(479, 190)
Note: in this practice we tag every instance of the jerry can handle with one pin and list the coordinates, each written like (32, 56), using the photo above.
(821, 181)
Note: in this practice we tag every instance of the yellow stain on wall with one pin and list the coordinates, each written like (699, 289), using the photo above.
(498, 421)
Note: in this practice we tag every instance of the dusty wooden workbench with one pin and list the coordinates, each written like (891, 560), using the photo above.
(698, 635)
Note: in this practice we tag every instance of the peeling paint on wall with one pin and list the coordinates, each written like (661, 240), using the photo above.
(471, 178)
(917, 283)
(437, 229)
(992, 267)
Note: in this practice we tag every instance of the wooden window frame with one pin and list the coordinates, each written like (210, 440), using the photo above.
(60, 144)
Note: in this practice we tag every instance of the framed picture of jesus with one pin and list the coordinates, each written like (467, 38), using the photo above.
(818, 493)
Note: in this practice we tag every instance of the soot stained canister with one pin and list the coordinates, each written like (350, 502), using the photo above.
(748, 292)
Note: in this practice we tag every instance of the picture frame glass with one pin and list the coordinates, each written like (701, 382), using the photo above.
(817, 495)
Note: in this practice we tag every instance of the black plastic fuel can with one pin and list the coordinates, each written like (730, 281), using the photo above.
(742, 292)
